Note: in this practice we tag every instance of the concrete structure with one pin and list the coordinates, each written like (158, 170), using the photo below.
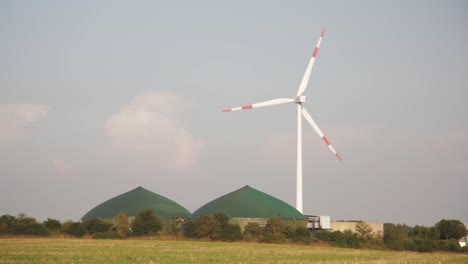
(318, 222)
(250, 205)
(377, 228)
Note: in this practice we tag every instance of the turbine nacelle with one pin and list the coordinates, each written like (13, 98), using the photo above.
(300, 99)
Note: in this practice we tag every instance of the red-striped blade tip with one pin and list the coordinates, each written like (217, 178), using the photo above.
(323, 31)
(338, 156)
(315, 52)
(326, 140)
(227, 110)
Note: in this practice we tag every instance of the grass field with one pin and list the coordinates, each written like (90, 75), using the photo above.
(62, 250)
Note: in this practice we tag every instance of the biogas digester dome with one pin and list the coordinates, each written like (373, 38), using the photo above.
(135, 201)
(249, 203)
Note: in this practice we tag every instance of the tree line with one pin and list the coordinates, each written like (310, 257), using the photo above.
(143, 224)
(443, 236)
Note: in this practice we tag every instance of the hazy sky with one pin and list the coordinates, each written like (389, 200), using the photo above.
(100, 97)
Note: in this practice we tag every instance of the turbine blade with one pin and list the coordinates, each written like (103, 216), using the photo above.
(262, 104)
(305, 79)
(319, 132)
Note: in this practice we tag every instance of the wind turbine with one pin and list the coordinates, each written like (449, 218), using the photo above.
(299, 100)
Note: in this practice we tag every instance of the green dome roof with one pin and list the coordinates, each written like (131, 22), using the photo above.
(135, 201)
(248, 202)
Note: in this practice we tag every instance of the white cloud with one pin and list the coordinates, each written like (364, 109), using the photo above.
(149, 134)
(14, 118)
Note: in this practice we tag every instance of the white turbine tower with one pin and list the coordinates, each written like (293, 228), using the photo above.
(299, 100)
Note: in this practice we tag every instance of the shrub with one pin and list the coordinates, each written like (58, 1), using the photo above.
(96, 226)
(28, 226)
(6, 224)
(121, 224)
(231, 232)
(213, 227)
(453, 245)
(289, 233)
(222, 218)
(340, 239)
(146, 223)
(353, 240)
(429, 245)
(410, 244)
(53, 225)
(364, 231)
(75, 229)
(323, 235)
(421, 244)
(274, 231)
(252, 231)
(302, 235)
(395, 235)
(207, 226)
(188, 229)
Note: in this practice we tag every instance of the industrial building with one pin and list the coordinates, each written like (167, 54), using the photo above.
(135, 201)
(241, 206)
(250, 205)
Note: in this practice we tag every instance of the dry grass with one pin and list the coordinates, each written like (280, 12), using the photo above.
(63, 250)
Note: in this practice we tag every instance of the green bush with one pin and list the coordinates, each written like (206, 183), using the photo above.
(24, 225)
(289, 233)
(252, 231)
(93, 226)
(75, 229)
(364, 231)
(429, 245)
(421, 244)
(207, 226)
(453, 245)
(221, 218)
(121, 224)
(353, 240)
(302, 235)
(213, 227)
(188, 229)
(274, 231)
(231, 232)
(395, 236)
(340, 239)
(323, 235)
(146, 223)
(6, 224)
(410, 244)
(53, 225)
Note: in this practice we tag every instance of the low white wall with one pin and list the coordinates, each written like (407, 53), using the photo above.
(377, 228)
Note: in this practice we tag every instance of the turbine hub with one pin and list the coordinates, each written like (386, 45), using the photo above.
(300, 99)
